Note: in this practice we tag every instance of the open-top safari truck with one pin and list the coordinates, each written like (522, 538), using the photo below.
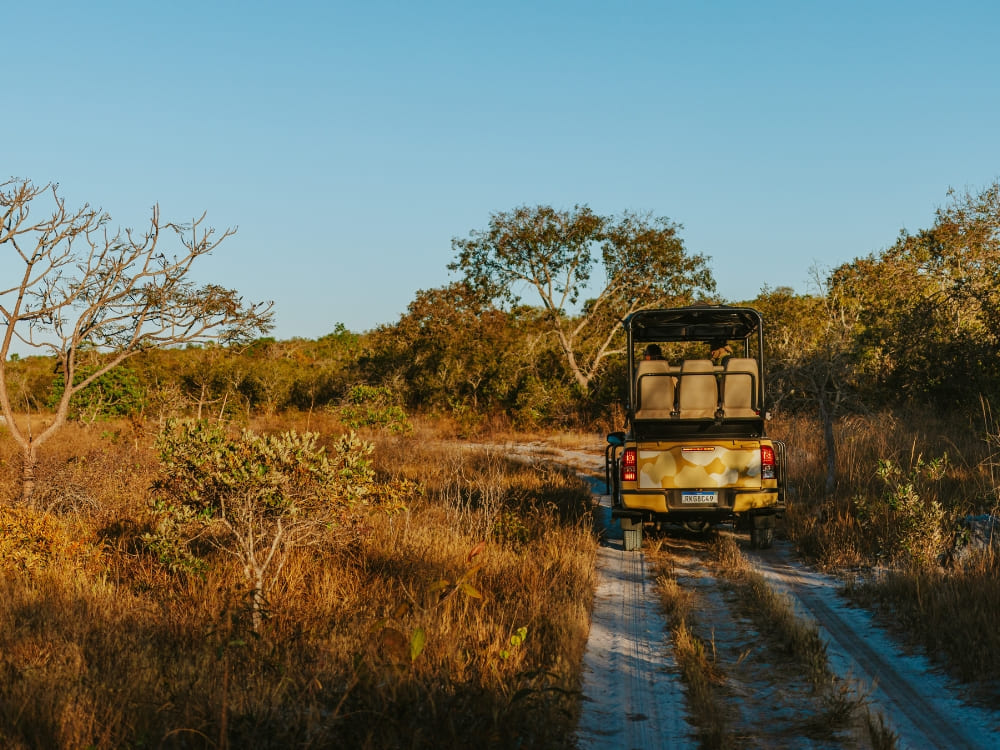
(695, 451)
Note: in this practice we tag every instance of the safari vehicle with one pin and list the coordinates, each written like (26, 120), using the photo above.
(695, 451)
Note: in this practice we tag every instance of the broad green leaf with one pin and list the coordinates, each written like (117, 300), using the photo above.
(471, 591)
(417, 642)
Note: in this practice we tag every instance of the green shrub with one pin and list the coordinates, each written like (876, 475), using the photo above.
(204, 468)
(373, 406)
(262, 495)
(906, 522)
(116, 393)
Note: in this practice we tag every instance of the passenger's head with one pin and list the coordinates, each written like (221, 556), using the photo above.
(719, 349)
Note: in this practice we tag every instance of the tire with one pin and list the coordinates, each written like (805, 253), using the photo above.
(762, 538)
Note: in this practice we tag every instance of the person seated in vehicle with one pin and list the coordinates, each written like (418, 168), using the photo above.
(720, 352)
(652, 351)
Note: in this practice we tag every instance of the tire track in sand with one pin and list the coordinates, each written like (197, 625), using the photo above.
(917, 701)
(632, 692)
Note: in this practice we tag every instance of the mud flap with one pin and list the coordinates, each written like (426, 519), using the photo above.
(762, 530)
(631, 533)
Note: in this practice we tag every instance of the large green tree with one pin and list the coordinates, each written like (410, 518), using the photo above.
(91, 296)
(811, 359)
(929, 305)
(450, 349)
(629, 261)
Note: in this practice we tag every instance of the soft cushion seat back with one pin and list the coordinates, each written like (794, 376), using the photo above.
(699, 390)
(738, 387)
(656, 390)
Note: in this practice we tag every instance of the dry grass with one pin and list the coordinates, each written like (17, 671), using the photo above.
(826, 528)
(706, 703)
(838, 710)
(400, 638)
(773, 613)
(841, 704)
(950, 612)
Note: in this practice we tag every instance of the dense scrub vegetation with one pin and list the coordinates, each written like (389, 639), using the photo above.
(153, 604)
(449, 608)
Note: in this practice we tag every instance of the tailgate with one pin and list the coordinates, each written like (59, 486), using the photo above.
(734, 464)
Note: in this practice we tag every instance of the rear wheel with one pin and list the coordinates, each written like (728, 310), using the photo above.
(762, 538)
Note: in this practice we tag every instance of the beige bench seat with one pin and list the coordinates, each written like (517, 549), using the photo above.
(739, 386)
(698, 390)
(656, 390)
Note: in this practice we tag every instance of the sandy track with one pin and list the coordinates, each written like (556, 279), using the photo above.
(918, 702)
(632, 694)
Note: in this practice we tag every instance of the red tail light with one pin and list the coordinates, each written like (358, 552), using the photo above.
(767, 464)
(629, 465)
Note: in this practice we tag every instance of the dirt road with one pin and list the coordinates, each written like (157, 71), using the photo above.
(632, 693)
(633, 696)
(920, 704)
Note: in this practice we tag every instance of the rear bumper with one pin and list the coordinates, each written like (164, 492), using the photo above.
(689, 503)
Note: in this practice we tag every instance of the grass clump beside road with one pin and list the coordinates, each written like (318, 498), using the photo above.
(706, 704)
(905, 482)
(457, 621)
(830, 706)
(773, 614)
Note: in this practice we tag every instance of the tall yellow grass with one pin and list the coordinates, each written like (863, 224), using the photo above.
(459, 622)
(949, 611)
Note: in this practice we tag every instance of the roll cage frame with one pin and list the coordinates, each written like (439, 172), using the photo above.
(697, 323)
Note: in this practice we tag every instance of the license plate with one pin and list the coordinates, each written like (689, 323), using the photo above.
(699, 498)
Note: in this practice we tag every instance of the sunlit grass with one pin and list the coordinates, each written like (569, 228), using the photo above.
(458, 622)
(943, 609)
(706, 702)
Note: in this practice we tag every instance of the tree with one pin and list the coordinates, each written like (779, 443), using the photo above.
(197, 380)
(92, 296)
(811, 358)
(265, 494)
(643, 259)
(117, 393)
(929, 305)
(450, 349)
(330, 367)
(276, 366)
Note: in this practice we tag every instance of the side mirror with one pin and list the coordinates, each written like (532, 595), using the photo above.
(616, 438)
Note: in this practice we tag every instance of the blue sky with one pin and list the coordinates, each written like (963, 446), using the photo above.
(351, 142)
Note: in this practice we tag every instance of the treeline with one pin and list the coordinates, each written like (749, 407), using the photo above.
(915, 324)
(440, 358)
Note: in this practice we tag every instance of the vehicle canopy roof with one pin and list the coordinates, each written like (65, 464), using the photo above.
(693, 323)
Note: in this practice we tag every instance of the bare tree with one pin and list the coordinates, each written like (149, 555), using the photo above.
(83, 290)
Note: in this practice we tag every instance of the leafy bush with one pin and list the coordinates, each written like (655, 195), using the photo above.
(373, 406)
(906, 522)
(546, 402)
(205, 468)
(263, 495)
(117, 393)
